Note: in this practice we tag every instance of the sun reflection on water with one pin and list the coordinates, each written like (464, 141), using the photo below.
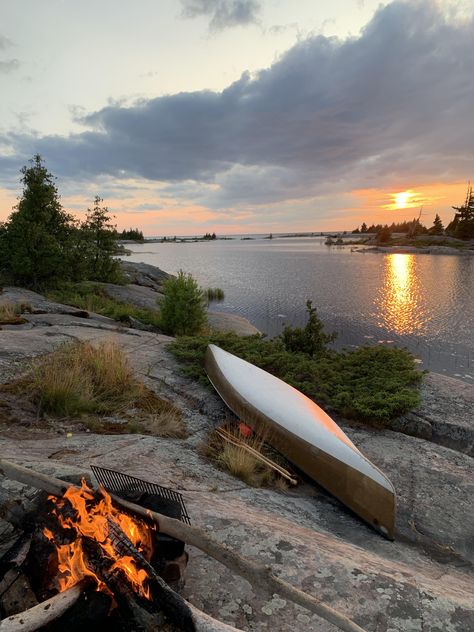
(400, 298)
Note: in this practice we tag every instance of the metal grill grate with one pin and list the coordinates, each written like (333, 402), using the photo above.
(119, 483)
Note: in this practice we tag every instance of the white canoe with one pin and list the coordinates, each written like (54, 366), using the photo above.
(305, 434)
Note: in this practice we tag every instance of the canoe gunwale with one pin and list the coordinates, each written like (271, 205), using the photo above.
(375, 504)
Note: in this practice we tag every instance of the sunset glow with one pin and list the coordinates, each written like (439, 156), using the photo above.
(402, 198)
(202, 128)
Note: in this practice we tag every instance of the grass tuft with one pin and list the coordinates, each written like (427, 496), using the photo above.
(214, 294)
(241, 463)
(80, 378)
(83, 379)
(10, 313)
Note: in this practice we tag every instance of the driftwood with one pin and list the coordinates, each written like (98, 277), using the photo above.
(42, 614)
(256, 574)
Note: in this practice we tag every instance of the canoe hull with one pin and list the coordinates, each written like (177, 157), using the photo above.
(374, 503)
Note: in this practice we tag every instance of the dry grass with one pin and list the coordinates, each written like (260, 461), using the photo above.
(242, 464)
(83, 379)
(10, 313)
(168, 423)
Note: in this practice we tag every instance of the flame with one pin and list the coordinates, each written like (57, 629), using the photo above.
(90, 519)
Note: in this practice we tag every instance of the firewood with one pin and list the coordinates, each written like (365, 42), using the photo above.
(258, 575)
(42, 614)
(15, 592)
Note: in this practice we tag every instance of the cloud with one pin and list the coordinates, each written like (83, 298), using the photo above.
(223, 13)
(9, 65)
(5, 42)
(391, 105)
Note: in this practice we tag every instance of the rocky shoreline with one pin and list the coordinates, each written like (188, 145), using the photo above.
(422, 581)
(418, 250)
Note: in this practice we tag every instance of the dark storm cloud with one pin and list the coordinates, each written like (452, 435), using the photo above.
(394, 103)
(223, 13)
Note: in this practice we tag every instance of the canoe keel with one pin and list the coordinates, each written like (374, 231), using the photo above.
(373, 502)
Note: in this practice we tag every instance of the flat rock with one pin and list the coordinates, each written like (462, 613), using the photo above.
(37, 302)
(219, 321)
(445, 415)
(421, 582)
(144, 274)
(306, 538)
(138, 295)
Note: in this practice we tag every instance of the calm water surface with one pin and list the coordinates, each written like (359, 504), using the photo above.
(423, 302)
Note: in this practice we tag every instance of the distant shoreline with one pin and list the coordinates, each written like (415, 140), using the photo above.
(416, 250)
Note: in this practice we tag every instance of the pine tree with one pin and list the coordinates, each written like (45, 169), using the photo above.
(100, 236)
(384, 235)
(437, 228)
(363, 228)
(35, 240)
(310, 339)
(462, 225)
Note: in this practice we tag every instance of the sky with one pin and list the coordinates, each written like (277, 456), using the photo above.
(241, 116)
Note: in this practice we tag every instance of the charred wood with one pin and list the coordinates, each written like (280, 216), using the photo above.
(16, 594)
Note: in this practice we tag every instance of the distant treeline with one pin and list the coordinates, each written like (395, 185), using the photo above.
(461, 226)
(132, 234)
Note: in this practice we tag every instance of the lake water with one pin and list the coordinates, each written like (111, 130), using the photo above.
(423, 302)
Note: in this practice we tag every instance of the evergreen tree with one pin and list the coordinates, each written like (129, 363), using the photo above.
(35, 241)
(100, 237)
(310, 339)
(183, 309)
(363, 228)
(437, 228)
(462, 225)
(384, 235)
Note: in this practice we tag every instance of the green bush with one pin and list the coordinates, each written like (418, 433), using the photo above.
(373, 384)
(310, 339)
(183, 308)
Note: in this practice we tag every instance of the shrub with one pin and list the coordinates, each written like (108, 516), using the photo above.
(310, 339)
(373, 384)
(183, 310)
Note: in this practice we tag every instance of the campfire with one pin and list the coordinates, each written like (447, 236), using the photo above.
(80, 543)
(112, 558)
(87, 519)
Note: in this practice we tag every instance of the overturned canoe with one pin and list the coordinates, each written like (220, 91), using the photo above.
(305, 434)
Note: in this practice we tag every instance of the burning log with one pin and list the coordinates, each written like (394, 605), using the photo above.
(258, 575)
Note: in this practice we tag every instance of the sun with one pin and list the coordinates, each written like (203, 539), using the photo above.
(402, 199)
